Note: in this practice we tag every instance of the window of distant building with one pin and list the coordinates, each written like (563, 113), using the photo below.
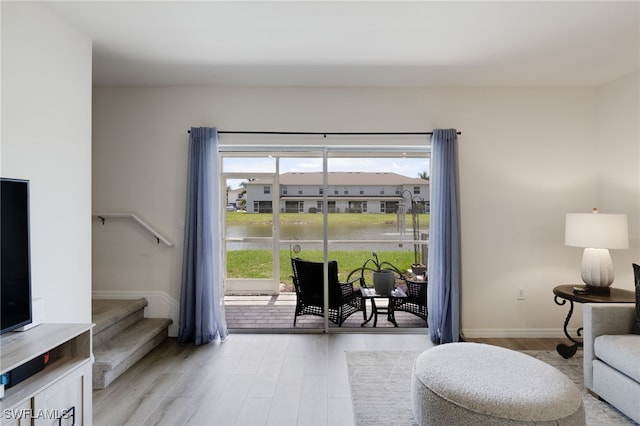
(267, 189)
(416, 190)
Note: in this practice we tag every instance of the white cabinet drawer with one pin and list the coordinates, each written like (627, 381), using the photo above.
(61, 404)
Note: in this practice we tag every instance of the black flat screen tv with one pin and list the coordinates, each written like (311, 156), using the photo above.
(15, 266)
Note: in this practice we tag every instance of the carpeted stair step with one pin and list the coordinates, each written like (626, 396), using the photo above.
(111, 317)
(116, 355)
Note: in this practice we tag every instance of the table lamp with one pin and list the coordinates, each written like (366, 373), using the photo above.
(597, 233)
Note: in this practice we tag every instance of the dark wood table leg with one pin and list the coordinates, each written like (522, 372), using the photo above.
(567, 351)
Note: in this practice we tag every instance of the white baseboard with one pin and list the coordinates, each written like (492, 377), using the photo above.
(161, 305)
(478, 333)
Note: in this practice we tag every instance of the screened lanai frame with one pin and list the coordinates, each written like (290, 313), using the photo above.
(378, 148)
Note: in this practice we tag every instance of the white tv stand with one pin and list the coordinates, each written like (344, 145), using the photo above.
(60, 394)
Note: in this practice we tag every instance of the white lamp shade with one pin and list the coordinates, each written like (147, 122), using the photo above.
(607, 231)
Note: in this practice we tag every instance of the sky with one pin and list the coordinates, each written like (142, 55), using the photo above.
(410, 167)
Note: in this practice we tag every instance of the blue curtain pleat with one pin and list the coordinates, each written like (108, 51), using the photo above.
(202, 318)
(444, 239)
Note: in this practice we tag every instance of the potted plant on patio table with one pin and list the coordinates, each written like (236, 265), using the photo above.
(383, 274)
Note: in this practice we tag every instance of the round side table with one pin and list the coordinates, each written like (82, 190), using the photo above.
(581, 294)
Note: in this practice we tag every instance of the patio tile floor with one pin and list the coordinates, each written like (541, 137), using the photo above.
(277, 312)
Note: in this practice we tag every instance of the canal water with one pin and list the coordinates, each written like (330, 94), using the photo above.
(337, 232)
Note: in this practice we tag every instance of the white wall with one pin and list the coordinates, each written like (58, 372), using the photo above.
(619, 165)
(527, 157)
(46, 138)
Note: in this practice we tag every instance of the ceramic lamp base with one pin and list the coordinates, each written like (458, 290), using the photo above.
(597, 269)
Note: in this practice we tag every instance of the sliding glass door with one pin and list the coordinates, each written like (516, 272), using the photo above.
(317, 204)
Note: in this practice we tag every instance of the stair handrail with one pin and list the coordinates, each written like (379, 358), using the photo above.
(159, 238)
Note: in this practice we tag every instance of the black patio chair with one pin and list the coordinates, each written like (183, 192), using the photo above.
(308, 280)
(416, 301)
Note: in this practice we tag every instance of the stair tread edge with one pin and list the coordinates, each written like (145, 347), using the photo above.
(105, 319)
(150, 328)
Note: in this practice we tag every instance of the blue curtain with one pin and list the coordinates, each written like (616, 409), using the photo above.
(444, 239)
(201, 309)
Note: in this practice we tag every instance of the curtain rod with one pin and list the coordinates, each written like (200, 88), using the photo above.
(325, 134)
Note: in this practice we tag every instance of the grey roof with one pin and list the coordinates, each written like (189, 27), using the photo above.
(346, 178)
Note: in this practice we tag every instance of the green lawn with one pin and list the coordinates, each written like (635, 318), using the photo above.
(316, 218)
(257, 263)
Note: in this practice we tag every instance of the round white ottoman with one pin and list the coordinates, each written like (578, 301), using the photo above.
(478, 384)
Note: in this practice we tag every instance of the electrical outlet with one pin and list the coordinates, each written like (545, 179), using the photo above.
(521, 295)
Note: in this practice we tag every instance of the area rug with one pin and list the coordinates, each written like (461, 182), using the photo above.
(381, 387)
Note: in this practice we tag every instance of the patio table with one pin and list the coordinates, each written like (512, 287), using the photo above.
(370, 294)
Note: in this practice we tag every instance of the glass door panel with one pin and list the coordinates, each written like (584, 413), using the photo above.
(379, 207)
(248, 238)
(248, 231)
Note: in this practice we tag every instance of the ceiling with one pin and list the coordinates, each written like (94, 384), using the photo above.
(358, 43)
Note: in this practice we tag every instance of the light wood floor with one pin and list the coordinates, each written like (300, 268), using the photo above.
(252, 379)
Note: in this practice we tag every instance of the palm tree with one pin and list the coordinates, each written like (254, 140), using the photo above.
(424, 175)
